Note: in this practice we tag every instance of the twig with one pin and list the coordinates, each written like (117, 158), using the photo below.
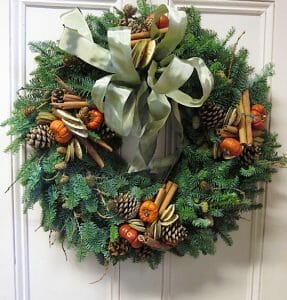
(104, 217)
(102, 194)
(235, 189)
(42, 104)
(102, 276)
(63, 84)
(233, 54)
(52, 178)
(50, 239)
(38, 228)
(65, 252)
(11, 185)
(15, 181)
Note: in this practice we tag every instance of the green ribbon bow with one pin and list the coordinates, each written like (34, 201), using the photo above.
(133, 105)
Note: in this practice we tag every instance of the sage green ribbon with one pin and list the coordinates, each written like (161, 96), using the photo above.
(133, 105)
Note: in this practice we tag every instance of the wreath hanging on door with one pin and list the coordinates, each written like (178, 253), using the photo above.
(135, 72)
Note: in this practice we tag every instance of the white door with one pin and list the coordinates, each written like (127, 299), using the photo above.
(253, 269)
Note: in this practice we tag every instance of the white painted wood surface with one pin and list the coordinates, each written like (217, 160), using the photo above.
(253, 269)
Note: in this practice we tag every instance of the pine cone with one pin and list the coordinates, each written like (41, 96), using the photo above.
(106, 133)
(144, 253)
(119, 247)
(40, 136)
(249, 155)
(135, 24)
(129, 10)
(212, 116)
(58, 96)
(28, 110)
(125, 206)
(173, 234)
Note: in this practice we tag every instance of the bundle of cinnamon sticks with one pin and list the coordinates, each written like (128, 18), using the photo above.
(165, 195)
(136, 37)
(245, 126)
(70, 101)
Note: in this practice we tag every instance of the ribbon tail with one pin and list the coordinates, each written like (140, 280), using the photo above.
(159, 109)
(99, 91)
(163, 166)
(141, 114)
(119, 109)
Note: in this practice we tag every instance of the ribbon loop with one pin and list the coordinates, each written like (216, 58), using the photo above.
(119, 39)
(176, 31)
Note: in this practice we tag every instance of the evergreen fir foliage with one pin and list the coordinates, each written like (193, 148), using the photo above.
(77, 208)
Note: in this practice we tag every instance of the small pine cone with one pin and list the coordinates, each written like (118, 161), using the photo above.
(40, 137)
(148, 22)
(83, 114)
(135, 24)
(106, 133)
(212, 116)
(58, 96)
(204, 185)
(129, 10)
(174, 234)
(119, 247)
(28, 110)
(144, 253)
(249, 155)
(125, 206)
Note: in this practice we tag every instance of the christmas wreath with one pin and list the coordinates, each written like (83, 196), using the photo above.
(134, 72)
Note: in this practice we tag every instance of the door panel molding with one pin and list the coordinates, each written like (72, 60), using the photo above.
(227, 7)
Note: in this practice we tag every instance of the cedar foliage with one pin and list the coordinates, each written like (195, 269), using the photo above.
(78, 209)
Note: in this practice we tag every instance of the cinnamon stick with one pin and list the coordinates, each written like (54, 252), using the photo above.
(146, 34)
(226, 134)
(92, 152)
(242, 124)
(168, 185)
(160, 196)
(248, 118)
(154, 244)
(104, 145)
(231, 129)
(70, 97)
(70, 104)
(168, 198)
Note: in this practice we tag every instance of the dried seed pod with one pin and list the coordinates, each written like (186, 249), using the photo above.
(60, 166)
(64, 179)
